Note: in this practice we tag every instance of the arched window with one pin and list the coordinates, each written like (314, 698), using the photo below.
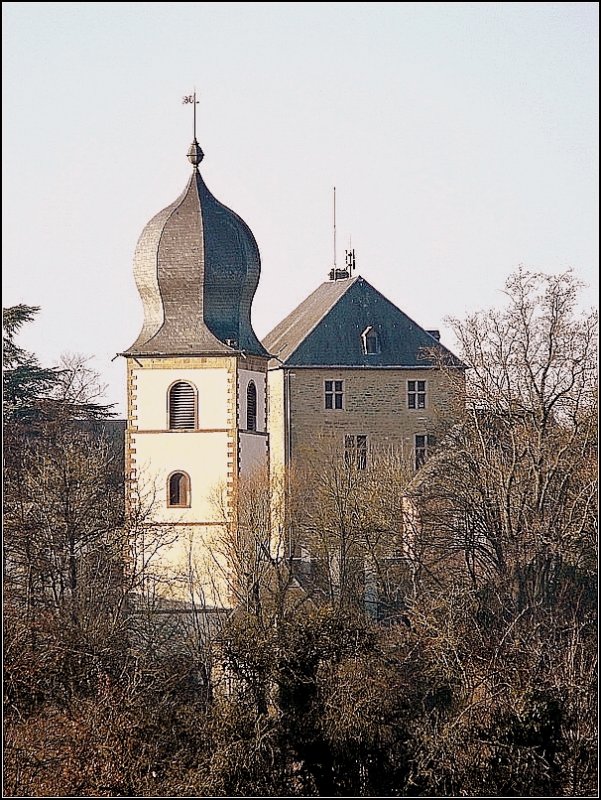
(251, 407)
(178, 490)
(182, 406)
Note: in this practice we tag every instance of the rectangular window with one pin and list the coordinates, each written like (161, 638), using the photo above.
(424, 444)
(416, 394)
(355, 451)
(334, 392)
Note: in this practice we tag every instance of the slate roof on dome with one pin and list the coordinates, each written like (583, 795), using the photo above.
(197, 267)
(327, 329)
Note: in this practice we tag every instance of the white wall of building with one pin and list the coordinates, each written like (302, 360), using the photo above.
(276, 420)
(152, 386)
(211, 455)
(202, 455)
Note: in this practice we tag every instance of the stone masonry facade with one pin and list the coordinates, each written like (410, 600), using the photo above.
(375, 403)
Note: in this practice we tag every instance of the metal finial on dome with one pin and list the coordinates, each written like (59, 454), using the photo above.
(195, 154)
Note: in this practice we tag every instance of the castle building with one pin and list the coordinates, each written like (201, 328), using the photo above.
(349, 364)
(208, 403)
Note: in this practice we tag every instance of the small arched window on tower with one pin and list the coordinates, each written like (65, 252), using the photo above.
(178, 490)
(371, 341)
(182, 406)
(251, 407)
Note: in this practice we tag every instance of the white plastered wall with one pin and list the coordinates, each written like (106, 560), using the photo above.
(153, 385)
(202, 455)
(276, 420)
(190, 566)
(189, 558)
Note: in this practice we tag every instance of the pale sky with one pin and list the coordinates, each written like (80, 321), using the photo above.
(462, 139)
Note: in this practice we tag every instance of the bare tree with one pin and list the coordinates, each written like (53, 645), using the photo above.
(515, 484)
(509, 501)
(78, 384)
(352, 525)
(479, 679)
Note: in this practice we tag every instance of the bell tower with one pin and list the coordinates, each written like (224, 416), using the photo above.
(196, 381)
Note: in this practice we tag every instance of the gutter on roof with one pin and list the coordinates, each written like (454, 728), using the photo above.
(193, 354)
(285, 365)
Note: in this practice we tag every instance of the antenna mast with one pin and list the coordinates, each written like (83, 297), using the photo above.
(350, 258)
(334, 228)
(347, 271)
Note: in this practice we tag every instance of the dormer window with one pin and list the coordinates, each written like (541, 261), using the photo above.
(371, 341)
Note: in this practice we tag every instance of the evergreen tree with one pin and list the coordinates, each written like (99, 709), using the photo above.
(24, 381)
(33, 393)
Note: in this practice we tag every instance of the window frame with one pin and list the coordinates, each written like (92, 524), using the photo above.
(417, 398)
(423, 451)
(254, 427)
(170, 388)
(356, 449)
(333, 394)
(187, 489)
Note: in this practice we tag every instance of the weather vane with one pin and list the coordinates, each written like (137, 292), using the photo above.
(191, 98)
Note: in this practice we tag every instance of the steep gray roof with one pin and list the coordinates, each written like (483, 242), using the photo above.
(326, 330)
(197, 268)
(284, 339)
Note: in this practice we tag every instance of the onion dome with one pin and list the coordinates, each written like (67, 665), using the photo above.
(197, 268)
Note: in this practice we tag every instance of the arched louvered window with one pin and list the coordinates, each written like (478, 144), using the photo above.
(182, 406)
(251, 407)
(178, 490)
